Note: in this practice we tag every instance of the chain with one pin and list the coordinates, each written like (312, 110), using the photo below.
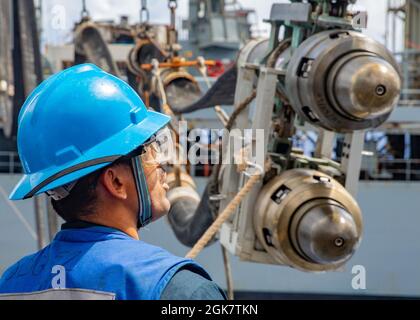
(85, 12)
(144, 12)
(173, 5)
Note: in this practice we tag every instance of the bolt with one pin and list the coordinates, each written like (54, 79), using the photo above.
(339, 242)
(380, 90)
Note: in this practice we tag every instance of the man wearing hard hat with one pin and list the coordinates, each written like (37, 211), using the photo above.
(87, 140)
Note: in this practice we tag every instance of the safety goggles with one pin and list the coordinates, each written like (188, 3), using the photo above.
(159, 150)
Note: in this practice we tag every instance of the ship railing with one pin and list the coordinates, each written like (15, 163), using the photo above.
(409, 63)
(9, 162)
(394, 170)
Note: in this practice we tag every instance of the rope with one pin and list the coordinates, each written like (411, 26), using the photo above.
(167, 110)
(165, 106)
(240, 108)
(223, 217)
(224, 118)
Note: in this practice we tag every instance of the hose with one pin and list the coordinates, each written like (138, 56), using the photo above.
(189, 219)
(221, 93)
(90, 46)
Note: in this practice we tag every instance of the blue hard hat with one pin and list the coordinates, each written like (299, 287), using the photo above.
(76, 122)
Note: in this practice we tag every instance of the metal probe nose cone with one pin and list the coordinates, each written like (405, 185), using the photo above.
(366, 87)
(327, 234)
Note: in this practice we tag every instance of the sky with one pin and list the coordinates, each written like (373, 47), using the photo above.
(59, 16)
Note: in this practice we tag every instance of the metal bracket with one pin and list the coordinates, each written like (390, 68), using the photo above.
(351, 159)
(297, 12)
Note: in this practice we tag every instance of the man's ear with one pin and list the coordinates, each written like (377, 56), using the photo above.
(115, 181)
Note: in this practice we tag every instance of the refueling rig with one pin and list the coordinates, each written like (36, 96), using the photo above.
(317, 72)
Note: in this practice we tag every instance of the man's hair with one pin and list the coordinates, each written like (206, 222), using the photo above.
(83, 198)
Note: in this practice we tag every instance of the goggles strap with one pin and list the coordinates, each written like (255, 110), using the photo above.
(61, 192)
(145, 206)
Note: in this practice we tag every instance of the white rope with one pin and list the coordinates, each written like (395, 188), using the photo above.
(223, 217)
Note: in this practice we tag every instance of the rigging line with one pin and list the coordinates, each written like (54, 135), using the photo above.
(19, 214)
(144, 12)
(85, 12)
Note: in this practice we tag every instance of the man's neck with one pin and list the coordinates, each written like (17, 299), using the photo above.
(127, 227)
